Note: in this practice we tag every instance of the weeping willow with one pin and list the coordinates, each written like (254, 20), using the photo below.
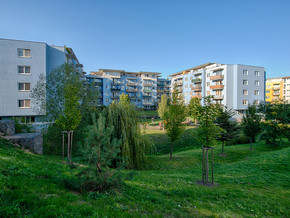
(126, 127)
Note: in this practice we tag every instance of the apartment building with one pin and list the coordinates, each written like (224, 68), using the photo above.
(163, 87)
(278, 89)
(21, 64)
(141, 87)
(231, 85)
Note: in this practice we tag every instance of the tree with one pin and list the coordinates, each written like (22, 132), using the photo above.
(174, 116)
(229, 127)
(277, 120)
(100, 150)
(207, 131)
(192, 107)
(163, 107)
(125, 120)
(124, 99)
(251, 123)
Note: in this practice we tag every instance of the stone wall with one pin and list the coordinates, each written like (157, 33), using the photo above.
(7, 127)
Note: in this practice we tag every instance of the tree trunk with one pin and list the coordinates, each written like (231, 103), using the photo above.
(68, 145)
(212, 166)
(206, 179)
(203, 166)
(62, 146)
(171, 150)
(71, 143)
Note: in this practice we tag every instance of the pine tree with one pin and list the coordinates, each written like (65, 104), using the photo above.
(100, 151)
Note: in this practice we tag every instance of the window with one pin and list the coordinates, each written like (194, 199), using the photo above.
(208, 75)
(190, 93)
(24, 103)
(245, 92)
(267, 91)
(245, 72)
(256, 102)
(190, 78)
(208, 83)
(185, 94)
(257, 83)
(24, 70)
(268, 86)
(207, 93)
(256, 92)
(186, 86)
(24, 86)
(24, 53)
(257, 73)
(245, 82)
(186, 79)
(245, 102)
(107, 100)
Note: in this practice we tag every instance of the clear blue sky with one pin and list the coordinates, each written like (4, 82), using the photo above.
(164, 36)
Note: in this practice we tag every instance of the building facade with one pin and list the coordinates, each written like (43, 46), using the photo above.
(163, 88)
(278, 89)
(231, 85)
(21, 64)
(141, 87)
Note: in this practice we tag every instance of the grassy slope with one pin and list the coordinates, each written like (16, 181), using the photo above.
(250, 183)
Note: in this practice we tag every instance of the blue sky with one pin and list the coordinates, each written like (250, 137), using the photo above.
(164, 36)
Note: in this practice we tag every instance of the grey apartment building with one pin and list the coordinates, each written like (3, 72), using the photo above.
(231, 85)
(21, 64)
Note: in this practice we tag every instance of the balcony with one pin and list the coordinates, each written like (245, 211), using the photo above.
(133, 96)
(160, 84)
(160, 91)
(217, 77)
(218, 97)
(217, 87)
(179, 90)
(115, 97)
(147, 90)
(197, 80)
(116, 88)
(147, 96)
(178, 83)
(196, 88)
(147, 103)
(147, 84)
(131, 90)
(131, 84)
(276, 94)
(276, 88)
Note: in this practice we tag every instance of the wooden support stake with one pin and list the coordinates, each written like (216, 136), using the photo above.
(212, 165)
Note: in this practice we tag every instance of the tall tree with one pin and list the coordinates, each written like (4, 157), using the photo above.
(251, 123)
(192, 107)
(124, 99)
(163, 107)
(174, 116)
(229, 127)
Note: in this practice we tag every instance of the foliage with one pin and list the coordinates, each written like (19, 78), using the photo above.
(207, 131)
(52, 139)
(174, 116)
(127, 129)
(251, 123)
(193, 107)
(163, 106)
(229, 127)
(22, 127)
(277, 120)
(100, 151)
(35, 186)
(124, 99)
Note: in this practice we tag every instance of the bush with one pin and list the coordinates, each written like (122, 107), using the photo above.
(22, 127)
(241, 139)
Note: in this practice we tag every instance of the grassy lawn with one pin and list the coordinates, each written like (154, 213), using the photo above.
(250, 183)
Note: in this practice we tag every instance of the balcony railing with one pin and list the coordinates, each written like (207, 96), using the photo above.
(147, 84)
(131, 84)
(160, 84)
(218, 97)
(196, 88)
(217, 87)
(115, 88)
(147, 96)
(276, 94)
(197, 80)
(115, 97)
(147, 90)
(276, 88)
(217, 77)
(147, 103)
(178, 83)
(131, 90)
(196, 96)
(160, 91)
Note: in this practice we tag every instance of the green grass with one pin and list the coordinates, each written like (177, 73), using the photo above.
(147, 113)
(250, 183)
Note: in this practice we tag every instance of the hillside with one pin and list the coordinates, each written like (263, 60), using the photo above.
(249, 184)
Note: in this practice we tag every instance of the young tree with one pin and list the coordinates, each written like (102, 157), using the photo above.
(100, 150)
(207, 131)
(174, 116)
(251, 123)
(229, 127)
(163, 107)
(192, 107)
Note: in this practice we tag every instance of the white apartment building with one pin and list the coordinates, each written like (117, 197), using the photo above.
(232, 85)
(286, 89)
(21, 64)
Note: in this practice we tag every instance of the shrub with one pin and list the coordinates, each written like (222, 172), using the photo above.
(22, 127)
